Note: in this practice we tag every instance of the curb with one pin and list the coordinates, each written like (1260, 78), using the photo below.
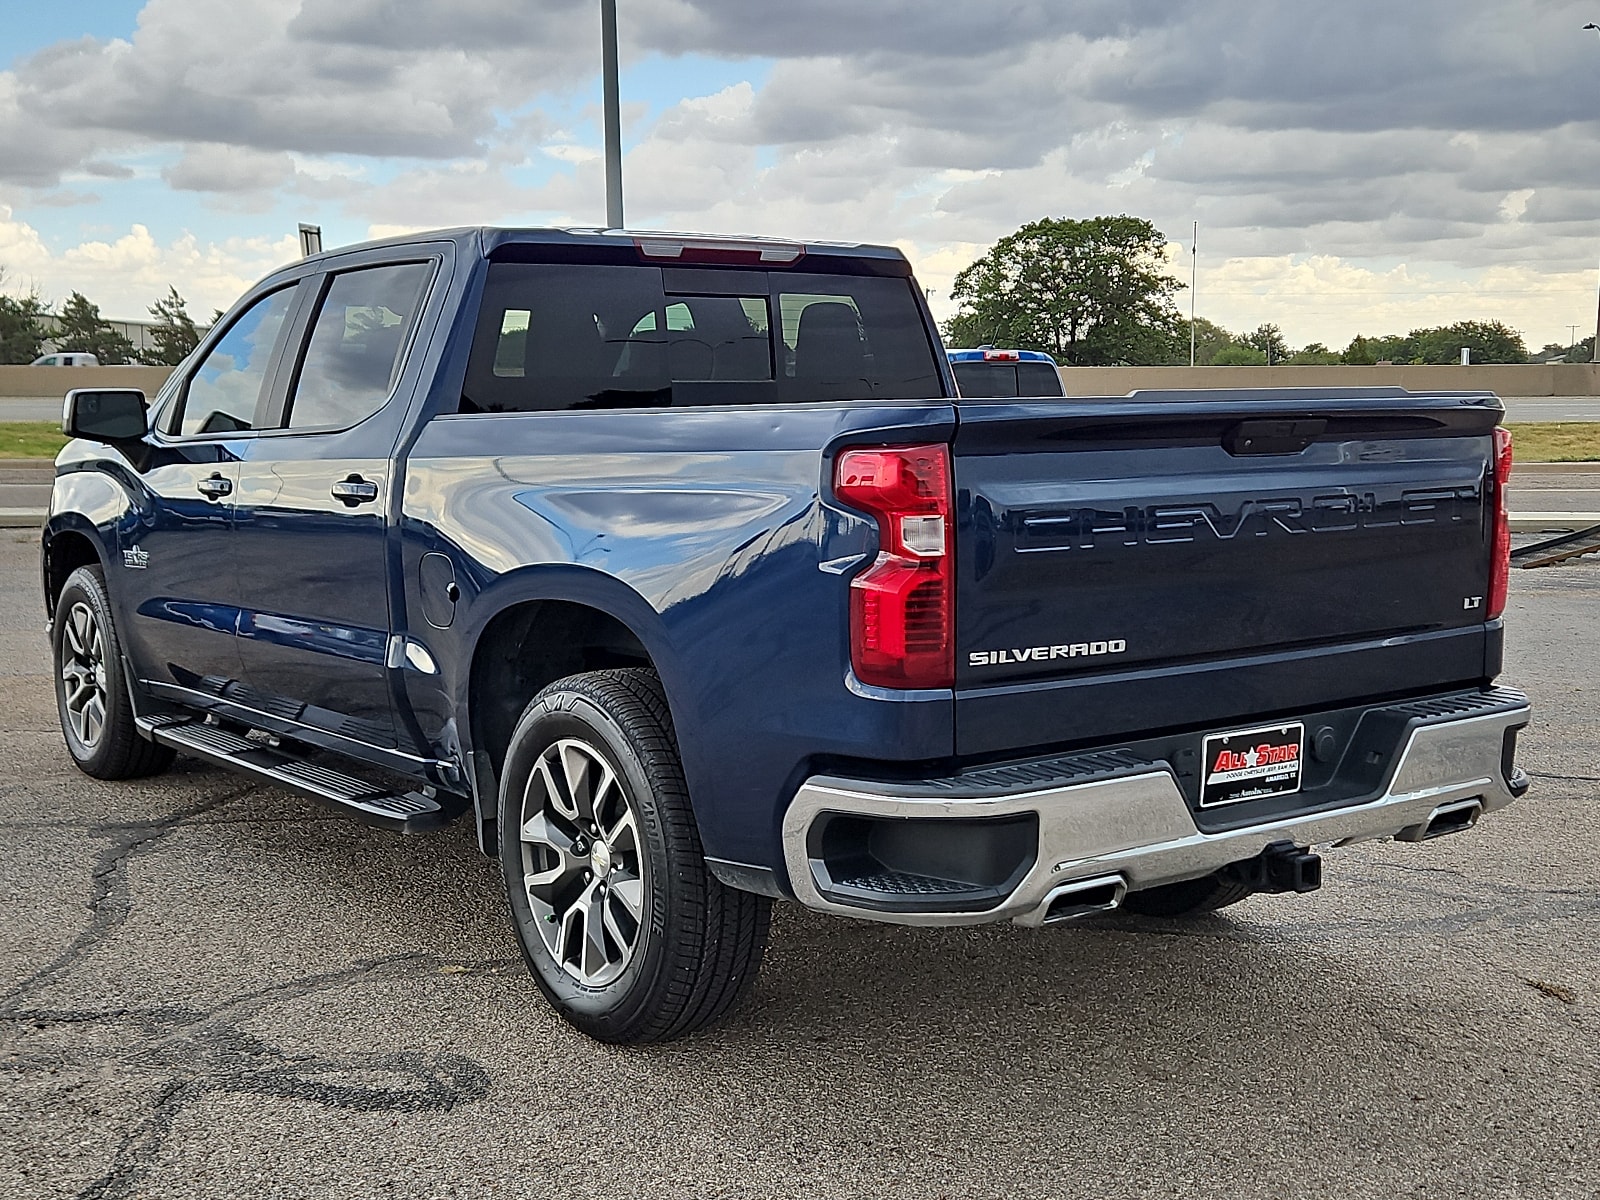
(1554, 468)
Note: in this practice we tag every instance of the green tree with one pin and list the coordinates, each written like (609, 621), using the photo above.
(1314, 355)
(1210, 339)
(22, 331)
(1238, 355)
(962, 331)
(1269, 340)
(1364, 351)
(175, 333)
(80, 327)
(1087, 292)
(1489, 341)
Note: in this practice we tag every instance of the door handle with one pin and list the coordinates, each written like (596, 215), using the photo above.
(353, 490)
(214, 487)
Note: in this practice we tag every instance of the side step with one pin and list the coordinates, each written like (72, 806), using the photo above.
(408, 812)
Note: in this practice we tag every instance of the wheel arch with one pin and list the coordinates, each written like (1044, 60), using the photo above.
(532, 628)
(68, 542)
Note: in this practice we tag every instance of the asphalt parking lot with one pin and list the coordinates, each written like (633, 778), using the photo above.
(210, 988)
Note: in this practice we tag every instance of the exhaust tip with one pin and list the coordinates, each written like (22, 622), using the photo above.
(1446, 819)
(1082, 897)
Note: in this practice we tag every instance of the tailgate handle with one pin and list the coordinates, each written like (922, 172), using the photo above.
(1269, 436)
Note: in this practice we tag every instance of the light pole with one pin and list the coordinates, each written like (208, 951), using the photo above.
(613, 117)
(1595, 357)
(1194, 268)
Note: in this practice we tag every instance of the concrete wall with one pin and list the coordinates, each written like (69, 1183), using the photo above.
(58, 381)
(1554, 379)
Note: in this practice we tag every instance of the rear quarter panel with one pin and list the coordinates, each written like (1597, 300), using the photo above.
(708, 533)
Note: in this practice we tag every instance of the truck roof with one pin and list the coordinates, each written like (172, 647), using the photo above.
(995, 354)
(660, 245)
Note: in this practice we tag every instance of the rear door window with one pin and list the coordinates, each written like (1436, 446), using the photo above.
(552, 337)
(357, 345)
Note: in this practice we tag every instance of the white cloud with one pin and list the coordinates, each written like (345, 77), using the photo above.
(1326, 298)
(126, 274)
(1457, 136)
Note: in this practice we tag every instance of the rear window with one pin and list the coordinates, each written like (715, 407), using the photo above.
(554, 336)
(982, 379)
(1038, 379)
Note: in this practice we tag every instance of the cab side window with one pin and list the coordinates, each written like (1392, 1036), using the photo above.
(357, 345)
(226, 388)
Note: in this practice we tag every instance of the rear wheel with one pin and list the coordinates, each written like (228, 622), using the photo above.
(91, 690)
(625, 930)
(1190, 896)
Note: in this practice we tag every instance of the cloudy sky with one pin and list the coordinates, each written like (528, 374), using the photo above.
(1358, 166)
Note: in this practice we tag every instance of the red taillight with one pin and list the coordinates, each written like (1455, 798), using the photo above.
(1001, 356)
(901, 607)
(1500, 552)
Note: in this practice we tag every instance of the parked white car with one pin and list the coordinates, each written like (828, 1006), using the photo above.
(70, 359)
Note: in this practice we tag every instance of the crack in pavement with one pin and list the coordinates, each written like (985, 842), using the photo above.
(203, 1052)
(204, 1056)
(396, 1083)
(109, 901)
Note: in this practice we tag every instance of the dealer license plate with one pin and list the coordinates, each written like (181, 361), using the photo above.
(1252, 763)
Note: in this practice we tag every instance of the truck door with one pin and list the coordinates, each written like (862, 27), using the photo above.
(178, 587)
(311, 512)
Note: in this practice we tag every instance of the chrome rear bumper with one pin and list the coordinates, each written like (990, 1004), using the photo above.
(1136, 828)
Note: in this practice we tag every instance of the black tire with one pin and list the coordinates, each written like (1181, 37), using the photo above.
(98, 726)
(1189, 897)
(696, 943)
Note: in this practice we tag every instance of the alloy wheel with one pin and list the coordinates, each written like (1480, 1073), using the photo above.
(83, 672)
(582, 862)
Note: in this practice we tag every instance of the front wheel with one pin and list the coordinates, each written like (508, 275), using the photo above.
(91, 692)
(626, 931)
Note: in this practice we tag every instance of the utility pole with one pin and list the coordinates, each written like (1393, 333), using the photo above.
(1596, 356)
(613, 118)
(1194, 275)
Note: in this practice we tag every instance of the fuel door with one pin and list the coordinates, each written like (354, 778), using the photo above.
(439, 589)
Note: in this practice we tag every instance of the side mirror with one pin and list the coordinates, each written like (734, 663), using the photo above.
(105, 414)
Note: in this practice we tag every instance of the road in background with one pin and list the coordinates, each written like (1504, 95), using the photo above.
(24, 491)
(1551, 408)
(30, 408)
(210, 987)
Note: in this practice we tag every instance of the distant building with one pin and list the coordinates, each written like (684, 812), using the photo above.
(141, 333)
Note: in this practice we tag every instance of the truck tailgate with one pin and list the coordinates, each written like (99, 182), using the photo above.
(1163, 560)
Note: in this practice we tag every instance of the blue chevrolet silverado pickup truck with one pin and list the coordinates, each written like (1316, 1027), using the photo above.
(678, 567)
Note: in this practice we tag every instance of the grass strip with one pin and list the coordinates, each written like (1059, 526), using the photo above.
(1536, 441)
(30, 439)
